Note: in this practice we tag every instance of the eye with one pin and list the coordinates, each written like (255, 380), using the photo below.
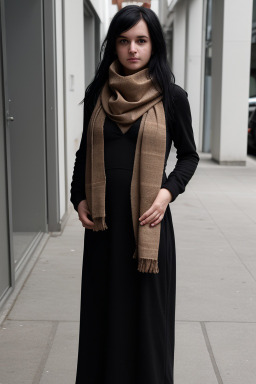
(142, 41)
(123, 41)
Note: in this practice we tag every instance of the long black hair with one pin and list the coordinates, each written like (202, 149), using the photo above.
(159, 69)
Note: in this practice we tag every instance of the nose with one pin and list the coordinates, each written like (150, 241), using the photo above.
(132, 48)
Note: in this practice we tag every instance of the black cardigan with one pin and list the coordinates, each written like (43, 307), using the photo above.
(179, 131)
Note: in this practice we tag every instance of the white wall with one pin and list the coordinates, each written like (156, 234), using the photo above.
(194, 63)
(99, 7)
(236, 67)
(231, 68)
(155, 6)
(230, 71)
(74, 65)
(179, 43)
(187, 55)
(60, 107)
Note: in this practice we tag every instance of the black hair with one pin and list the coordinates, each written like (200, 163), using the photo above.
(158, 66)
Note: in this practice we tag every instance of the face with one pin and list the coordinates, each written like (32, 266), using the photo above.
(134, 48)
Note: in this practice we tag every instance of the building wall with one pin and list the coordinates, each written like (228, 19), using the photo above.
(187, 57)
(230, 70)
(218, 9)
(194, 52)
(230, 76)
(99, 8)
(74, 79)
(236, 49)
(60, 108)
(179, 43)
(56, 32)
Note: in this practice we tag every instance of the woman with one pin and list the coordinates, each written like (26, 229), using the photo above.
(132, 113)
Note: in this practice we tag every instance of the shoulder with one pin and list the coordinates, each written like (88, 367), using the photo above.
(179, 93)
(180, 100)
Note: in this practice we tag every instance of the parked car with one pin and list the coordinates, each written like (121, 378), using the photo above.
(251, 143)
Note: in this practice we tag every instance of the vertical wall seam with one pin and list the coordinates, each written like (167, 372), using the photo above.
(202, 80)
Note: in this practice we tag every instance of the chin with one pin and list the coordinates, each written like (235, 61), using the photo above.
(134, 67)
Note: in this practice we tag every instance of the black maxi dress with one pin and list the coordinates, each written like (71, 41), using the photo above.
(127, 318)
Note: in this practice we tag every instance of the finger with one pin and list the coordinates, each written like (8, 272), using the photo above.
(150, 218)
(89, 223)
(87, 226)
(146, 214)
(84, 213)
(154, 221)
(157, 221)
(84, 218)
(156, 218)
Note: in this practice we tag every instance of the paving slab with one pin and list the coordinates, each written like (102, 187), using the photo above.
(53, 289)
(60, 367)
(234, 348)
(214, 285)
(23, 346)
(192, 363)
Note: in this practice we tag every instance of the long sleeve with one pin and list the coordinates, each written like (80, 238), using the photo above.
(183, 139)
(77, 191)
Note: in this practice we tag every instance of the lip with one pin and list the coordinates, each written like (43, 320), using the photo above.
(133, 59)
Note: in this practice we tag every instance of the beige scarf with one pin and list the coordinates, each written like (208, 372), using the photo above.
(124, 99)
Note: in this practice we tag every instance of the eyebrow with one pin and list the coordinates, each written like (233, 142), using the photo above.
(136, 36)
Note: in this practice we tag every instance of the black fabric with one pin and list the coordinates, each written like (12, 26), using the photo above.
(127, 320)
(127, 317)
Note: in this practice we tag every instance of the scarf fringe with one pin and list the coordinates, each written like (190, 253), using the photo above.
(148, 265)
(99, 224)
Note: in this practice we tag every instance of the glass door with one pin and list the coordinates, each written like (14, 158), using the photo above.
(5, 254)
(26, 131)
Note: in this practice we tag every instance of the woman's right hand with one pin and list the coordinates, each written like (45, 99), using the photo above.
(83, 212)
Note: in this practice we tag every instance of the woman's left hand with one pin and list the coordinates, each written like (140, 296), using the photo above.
(156, 212)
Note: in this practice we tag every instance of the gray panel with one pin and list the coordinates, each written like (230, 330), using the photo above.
(97, 40)
(25, 60)
(90, 43)
(208, 79)
(5, 273)
(217, 53)
(54, 223)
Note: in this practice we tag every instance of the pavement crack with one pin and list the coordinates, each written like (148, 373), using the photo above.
(48, 347)
(210, 351)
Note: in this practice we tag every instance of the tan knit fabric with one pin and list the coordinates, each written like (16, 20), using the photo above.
(124, 99)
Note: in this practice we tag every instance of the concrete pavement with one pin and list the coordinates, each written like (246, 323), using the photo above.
(215, 227)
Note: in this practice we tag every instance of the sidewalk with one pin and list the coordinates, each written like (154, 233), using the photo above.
(215, 229)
